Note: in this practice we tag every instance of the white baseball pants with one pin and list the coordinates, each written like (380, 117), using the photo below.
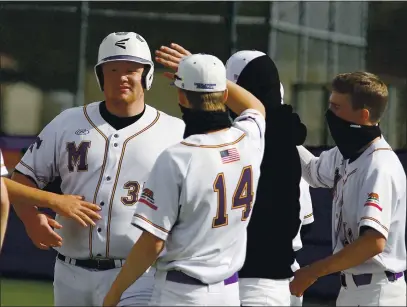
(380, 292)
(76, 286)
(264, 292)
(169, 293)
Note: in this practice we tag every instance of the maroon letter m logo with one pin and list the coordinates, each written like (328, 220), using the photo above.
(78, 156)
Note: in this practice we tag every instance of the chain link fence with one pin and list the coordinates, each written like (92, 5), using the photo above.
(51, 48)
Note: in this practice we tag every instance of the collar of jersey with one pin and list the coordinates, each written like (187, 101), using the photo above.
(379, 144)
(204, 140)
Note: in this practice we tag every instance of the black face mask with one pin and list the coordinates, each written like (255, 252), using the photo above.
(349, 137)
(200, 122)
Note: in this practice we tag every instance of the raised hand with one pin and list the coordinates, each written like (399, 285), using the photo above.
(170, 57)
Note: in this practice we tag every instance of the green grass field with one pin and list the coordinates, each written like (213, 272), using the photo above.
(26, 293)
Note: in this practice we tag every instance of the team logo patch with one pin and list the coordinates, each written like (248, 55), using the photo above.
(373, 201)
(229, 155)
(82, 132)
(147, 198)
(373, 196)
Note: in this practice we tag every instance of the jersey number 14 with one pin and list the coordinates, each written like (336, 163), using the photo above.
(242, 197)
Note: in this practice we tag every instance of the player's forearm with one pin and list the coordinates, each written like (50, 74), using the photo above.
(141, 257)
(23, 195)
(23, 211)
(370, 244)
(240, 100)
(4, 210)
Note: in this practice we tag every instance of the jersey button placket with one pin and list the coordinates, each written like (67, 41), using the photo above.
(115, 140)
(114, 143)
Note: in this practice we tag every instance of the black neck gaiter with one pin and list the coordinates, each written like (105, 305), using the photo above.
(200, 122)
(349, 137)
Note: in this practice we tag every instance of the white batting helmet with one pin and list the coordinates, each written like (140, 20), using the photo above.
(125, 46)
(238, 61)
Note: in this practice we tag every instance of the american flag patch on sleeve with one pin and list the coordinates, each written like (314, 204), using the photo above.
(229, 155)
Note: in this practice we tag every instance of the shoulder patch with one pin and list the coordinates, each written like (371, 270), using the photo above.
(373, 201)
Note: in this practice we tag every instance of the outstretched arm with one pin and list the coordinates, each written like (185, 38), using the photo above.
(141, 257)
(318, 172)
(24, 193)
(240, 100)
(370, 244)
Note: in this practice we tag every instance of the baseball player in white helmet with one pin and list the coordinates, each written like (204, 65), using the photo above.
(104, 151)
(369, 198)
(199, 197)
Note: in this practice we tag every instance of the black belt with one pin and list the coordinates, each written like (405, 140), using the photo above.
(182, 278)
(96, 264)
(366, 279)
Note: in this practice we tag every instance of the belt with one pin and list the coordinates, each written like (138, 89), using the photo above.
(96, 264)
(366, 279)
(182, 278)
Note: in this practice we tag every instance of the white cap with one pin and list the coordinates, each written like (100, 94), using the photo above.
(238, 61)
(201, 73)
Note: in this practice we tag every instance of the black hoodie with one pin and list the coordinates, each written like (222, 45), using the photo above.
(275, 217)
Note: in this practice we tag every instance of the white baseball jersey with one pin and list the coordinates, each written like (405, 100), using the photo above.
(199, 199)
(3, 171)
(107, 166)
(370, 191)
(306, 213)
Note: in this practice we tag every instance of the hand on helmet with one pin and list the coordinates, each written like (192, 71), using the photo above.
(170, 57)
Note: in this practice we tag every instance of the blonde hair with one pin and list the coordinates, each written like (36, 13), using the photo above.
(206, 101)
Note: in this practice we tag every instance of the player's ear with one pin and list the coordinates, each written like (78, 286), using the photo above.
(365, 114)
(225, 95)
(182, 99)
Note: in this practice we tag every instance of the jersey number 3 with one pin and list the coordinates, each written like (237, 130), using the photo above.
(242, 197)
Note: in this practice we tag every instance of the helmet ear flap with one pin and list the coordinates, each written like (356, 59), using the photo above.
(148, 76)
(99, 76)
(144, 76)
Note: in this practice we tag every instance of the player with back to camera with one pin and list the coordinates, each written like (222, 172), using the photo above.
(199, 198)
(105, 151)
(260, 283)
